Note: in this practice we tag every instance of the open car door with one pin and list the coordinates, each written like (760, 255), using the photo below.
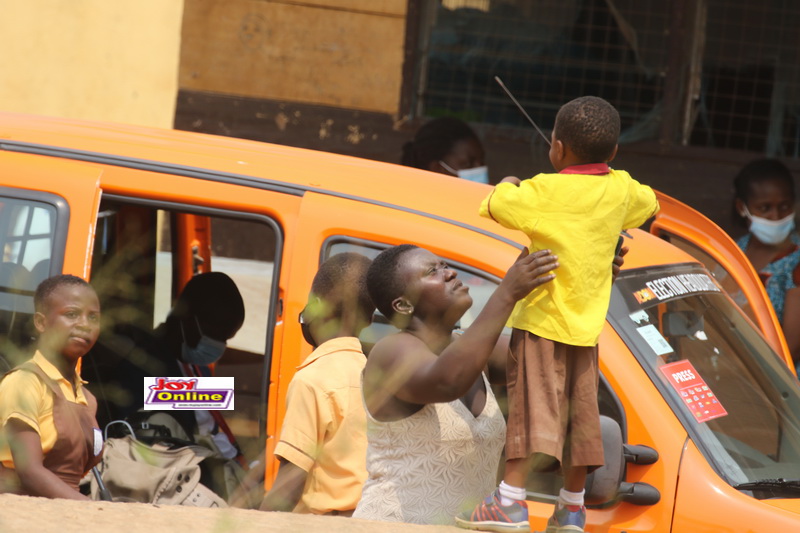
(698, 236)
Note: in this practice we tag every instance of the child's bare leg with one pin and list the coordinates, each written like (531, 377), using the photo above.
(512, 488)
(574, 478)
(516, 472)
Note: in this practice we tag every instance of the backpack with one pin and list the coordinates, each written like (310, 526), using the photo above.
(133, 470)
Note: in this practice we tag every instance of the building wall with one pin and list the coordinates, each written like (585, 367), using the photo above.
(340, 53)
(96, 59)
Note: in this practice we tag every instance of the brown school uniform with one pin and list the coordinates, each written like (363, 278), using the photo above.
(551, 386)
(73, 453)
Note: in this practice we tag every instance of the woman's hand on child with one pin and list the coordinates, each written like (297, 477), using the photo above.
(530, 271)
(511, 179)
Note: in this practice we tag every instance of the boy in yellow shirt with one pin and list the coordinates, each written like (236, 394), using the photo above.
(577, 213)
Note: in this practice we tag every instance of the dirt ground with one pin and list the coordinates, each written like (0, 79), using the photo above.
(22, 514)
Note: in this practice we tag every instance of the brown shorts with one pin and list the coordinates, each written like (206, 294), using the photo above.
(552, 401)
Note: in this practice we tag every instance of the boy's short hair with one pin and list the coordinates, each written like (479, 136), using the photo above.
(589, 126)
(49, 285)
(342, 282)
(382, 280)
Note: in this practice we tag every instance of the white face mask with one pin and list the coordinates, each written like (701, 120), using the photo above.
(476, 174)
(770, 231)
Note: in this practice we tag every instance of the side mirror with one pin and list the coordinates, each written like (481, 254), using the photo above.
(607, 484)
(603, 484)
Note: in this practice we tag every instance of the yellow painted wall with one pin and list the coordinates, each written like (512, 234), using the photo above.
(342, 53)
(111, 60)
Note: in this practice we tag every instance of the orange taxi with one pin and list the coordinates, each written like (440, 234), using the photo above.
(699, 401)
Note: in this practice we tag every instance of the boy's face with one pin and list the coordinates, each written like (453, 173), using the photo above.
(69, 324)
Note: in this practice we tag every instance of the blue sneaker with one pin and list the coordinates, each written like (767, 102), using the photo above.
(491, 515)
(567, 519)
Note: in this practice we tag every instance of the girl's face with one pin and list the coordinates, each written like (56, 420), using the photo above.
(70, 321)
(771, 199)
(466, 153)
(432, 287)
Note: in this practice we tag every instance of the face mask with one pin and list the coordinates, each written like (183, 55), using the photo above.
(206, 352)
(770, 231)
(476, 174)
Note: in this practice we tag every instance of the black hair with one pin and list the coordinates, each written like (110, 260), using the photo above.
(756, 172)
(589, 126)
(215, 300)
(434, 141)
(342, 281)
(382, 280)
(49, 285)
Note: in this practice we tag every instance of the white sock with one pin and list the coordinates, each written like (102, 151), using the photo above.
(566, 497)
(509, 493)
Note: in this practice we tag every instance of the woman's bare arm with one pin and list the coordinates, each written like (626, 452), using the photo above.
(404, 367)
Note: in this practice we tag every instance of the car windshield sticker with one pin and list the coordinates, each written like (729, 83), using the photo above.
(653, 337)
(677, 285)
(640, 317)
(694, 392)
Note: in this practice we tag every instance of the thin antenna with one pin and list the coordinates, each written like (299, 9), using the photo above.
(500, 82)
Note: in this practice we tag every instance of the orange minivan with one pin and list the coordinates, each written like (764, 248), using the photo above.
(700, 403)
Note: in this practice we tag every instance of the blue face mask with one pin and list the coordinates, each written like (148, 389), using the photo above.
(476, 174)
(206, 352)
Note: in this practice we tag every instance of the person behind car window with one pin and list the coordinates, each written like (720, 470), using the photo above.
(435, 431)
(447, 145)
(578, 212)
(50, 437)
(207, 313)
(323, 441)
(764, 198)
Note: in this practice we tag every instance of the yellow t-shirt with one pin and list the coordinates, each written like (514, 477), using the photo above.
(325, 428)
(25, 397)
(578, 217)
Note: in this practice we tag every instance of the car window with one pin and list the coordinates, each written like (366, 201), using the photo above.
(143, 253)
(27, 235)
(736, 398)
(481, 284)
(719, 272)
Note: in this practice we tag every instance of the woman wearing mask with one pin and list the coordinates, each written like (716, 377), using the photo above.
(764, 202)
(447, 145)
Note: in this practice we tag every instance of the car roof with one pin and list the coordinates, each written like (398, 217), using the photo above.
(298, 169)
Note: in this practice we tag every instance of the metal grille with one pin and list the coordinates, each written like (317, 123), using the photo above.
(724, 73)
(749, 96)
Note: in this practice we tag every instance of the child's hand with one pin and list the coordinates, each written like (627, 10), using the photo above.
(616, 265)
(529, 271)
(511, 179)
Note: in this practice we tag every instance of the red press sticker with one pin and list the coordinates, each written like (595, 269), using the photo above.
(698, 397)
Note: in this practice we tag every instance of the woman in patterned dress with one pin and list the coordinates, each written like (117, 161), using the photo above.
(764, 203)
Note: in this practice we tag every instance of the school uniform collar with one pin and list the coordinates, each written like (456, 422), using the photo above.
(339, 344)
(51, 371)
(595, 169)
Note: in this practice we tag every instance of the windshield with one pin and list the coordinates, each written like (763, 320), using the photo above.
(736, 398)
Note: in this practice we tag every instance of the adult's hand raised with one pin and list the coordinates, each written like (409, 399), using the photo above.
(528, 272)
